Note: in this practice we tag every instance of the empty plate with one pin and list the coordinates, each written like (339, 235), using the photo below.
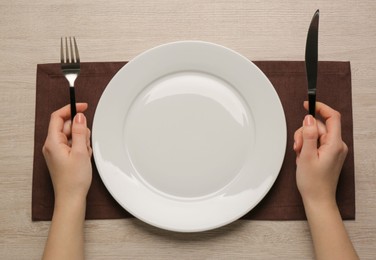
(189, 136)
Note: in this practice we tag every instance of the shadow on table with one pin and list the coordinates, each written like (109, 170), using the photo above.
(191, 236)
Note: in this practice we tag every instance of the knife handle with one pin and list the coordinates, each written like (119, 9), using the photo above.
(312, 104)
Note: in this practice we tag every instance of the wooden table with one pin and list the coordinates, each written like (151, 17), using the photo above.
(118, 30)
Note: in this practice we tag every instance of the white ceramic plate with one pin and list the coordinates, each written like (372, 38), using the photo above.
(189, 136)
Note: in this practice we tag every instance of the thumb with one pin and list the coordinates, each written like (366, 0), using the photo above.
(310, 137)
(79, 132)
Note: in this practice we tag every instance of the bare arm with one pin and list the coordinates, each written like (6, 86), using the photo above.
(320, 156)
(70, 169)
(66, 236)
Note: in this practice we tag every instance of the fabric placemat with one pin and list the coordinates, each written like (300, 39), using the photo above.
(283, 202)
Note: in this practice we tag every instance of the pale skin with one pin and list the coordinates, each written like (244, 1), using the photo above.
(67, 152)
(320, 156)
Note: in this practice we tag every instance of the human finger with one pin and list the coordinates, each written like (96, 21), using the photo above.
(331, 117)
(61, 115)
(67, 128)
(321, 128)
(88, 143)
(298, 135)
(298, 140)
(310, 136)
(79, 134)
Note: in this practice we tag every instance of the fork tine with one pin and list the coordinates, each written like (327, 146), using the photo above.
(70, 67)
(66, 50)
(76, 50)
(62, 51)
(71, 50)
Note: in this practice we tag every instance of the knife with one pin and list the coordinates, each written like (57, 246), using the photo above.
(311, 57)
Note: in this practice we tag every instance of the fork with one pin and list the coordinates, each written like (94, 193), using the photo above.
(70, 66)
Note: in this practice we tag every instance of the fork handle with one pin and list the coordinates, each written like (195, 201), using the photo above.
(72, 102)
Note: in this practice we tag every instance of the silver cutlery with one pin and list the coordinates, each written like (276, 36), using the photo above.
(70, 66)
(311, 59)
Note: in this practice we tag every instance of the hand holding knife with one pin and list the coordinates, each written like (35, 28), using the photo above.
(311, 59)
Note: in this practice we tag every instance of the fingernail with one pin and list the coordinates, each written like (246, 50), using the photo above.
(79, 118)
(309, 120)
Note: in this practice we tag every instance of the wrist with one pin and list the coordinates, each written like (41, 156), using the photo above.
(70, 202)
(319, 197)
(323, 204)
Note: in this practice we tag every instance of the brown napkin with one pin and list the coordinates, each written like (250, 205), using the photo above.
(283, 202)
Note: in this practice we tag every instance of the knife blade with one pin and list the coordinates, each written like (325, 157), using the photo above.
(311, 59)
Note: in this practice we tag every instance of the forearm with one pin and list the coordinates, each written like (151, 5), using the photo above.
(66, 235)
(329, 235)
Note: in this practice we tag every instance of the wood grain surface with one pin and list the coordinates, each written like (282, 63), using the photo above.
(118, 30)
